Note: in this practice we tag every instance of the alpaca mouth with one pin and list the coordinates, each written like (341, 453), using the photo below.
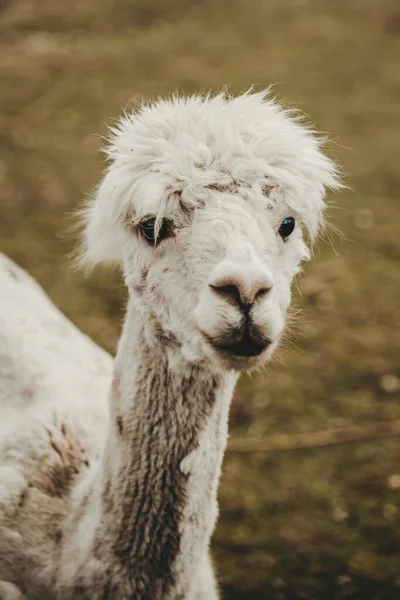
(246, 347)
(241, 344)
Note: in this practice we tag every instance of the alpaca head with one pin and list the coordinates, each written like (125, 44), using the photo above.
(204, 204)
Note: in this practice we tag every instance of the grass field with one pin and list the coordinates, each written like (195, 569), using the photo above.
(317, 523)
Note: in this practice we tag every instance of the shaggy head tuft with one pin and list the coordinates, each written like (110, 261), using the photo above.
(179, 149)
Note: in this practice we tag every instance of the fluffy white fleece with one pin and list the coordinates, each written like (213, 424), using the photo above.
(184, 144)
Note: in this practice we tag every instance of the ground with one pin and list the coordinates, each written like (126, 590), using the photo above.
(317, 523)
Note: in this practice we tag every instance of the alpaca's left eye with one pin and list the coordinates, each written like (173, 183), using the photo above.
(287, 227)
(148, 231)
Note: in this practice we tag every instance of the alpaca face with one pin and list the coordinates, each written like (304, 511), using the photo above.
(214, 279)
(204, 204)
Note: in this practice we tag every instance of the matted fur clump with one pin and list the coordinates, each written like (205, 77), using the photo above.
(183, 148)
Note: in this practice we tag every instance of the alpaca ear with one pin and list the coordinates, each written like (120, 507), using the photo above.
(104, 220)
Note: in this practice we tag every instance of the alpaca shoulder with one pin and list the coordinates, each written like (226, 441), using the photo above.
(54, 380)
(46, 364)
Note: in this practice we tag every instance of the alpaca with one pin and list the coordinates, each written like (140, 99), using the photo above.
(203, 205)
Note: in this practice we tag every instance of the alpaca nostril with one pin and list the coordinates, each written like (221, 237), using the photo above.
(229, 291)
(234, 293)
(240, 284)
(262, 292)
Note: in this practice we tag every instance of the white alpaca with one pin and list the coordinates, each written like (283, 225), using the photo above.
(203, 204)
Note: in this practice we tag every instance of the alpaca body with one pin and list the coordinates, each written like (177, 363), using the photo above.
(53, 419)
(203, 205)
(51, 493)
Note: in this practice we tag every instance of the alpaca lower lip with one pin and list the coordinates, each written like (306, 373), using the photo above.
(245, 348)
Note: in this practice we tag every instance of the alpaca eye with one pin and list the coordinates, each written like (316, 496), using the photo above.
(148, 231)
(286, 228)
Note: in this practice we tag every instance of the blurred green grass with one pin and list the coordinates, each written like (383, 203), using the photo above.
(317, 523)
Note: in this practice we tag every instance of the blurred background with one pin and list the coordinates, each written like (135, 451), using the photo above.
(310, 493)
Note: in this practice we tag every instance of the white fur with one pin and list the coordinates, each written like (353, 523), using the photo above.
(51, 377)
(184, 144)
(225, 172)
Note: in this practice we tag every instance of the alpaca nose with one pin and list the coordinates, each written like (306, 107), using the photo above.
(242, 284)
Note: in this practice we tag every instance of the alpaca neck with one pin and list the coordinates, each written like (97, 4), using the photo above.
(167, 436)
